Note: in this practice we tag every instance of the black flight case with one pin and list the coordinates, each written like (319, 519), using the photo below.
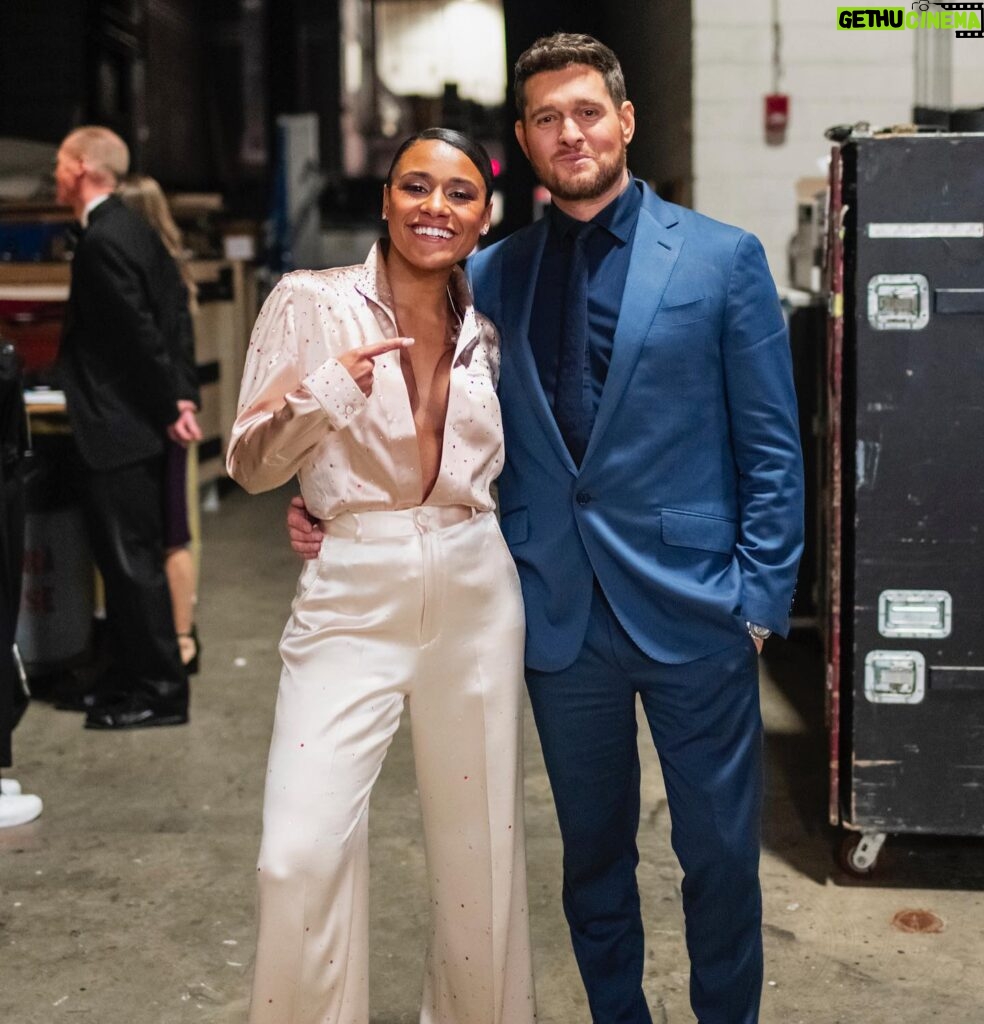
(905, 489)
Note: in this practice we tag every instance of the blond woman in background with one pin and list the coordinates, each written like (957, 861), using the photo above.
(142, 193)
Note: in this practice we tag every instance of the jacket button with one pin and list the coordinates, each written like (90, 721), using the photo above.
(583, 498)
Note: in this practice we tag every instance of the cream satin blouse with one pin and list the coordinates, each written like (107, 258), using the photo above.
(301, 412)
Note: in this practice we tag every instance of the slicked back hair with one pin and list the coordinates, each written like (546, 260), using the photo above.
(475, 152)
(562, 50)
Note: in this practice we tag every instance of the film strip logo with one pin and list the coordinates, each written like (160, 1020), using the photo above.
(962, 33)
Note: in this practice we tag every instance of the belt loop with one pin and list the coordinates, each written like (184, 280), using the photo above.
(358, 525)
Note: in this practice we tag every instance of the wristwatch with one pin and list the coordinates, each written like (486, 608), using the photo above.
(757, 632)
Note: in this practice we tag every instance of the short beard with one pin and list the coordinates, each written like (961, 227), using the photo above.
(590, 188)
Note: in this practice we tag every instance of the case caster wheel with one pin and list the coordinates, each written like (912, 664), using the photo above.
(859, 851)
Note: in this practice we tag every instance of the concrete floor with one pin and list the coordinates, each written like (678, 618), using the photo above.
(130, 901)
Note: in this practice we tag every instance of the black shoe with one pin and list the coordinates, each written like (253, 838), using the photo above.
(85, 691)
(93, 700)
(133, 714)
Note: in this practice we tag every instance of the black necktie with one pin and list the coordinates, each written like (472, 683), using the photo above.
(573, 406)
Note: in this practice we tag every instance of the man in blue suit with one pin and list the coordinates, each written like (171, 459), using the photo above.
(655, 515)
(652, 499)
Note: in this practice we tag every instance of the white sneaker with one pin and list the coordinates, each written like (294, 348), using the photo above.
(19, 809)
(10, 787)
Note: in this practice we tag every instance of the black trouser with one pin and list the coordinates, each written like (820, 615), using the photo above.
(123, 511)
(13, 699)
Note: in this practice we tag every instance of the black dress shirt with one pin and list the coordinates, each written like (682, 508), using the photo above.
(609, 251)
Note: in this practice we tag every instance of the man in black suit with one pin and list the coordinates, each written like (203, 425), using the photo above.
(122, 396)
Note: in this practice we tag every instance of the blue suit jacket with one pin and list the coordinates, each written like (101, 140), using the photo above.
(687, 506)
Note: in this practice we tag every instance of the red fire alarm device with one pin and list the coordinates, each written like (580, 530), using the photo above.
(776, 118)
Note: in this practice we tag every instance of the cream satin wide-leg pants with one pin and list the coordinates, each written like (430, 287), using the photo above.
(421, 606)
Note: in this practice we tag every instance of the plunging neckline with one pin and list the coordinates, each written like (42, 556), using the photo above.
(455, 323)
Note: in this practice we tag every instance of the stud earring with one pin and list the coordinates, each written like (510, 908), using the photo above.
(384, 215)
(484, 230)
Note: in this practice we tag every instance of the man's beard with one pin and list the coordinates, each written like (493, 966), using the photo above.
(582, 187)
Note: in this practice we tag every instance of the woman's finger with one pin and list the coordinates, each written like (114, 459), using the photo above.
(378, 348)
(360, 362)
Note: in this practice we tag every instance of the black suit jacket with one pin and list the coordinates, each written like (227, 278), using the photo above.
(117, 358)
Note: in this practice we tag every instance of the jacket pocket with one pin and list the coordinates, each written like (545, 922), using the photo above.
(516, 526)
(682, 312)
(697, 530)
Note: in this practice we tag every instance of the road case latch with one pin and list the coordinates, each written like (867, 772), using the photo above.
(898, 302)
(894, 677)
(915, 613)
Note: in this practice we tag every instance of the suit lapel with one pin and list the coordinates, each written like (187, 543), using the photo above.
(516, 302)
(71, 306)
(655, 249)
(105, 207)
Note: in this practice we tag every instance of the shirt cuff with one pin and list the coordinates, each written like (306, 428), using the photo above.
(336, 392)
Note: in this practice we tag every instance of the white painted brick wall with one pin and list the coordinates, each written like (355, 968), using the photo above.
(968, 73)
(832, 77)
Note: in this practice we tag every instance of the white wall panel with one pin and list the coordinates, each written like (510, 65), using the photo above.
(831, 76)
(968, 73)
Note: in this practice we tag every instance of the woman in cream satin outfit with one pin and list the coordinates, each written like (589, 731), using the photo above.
(414, 599)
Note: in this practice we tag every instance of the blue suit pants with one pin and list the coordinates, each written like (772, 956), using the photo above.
(706, 725)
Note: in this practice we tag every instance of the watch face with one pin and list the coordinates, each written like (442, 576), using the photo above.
(759, 632)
